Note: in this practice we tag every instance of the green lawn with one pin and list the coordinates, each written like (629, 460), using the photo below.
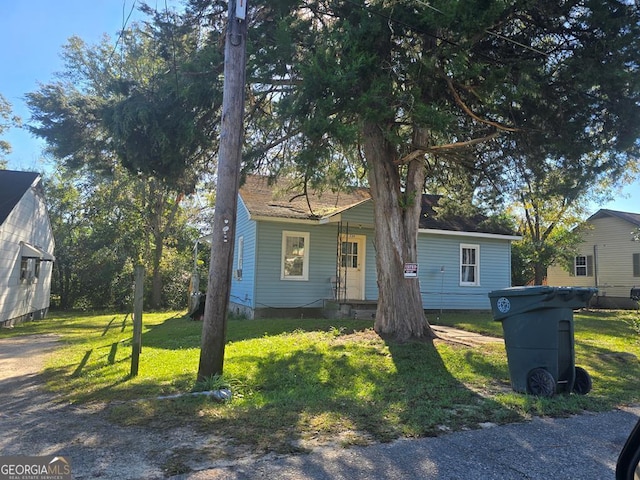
(304, 379)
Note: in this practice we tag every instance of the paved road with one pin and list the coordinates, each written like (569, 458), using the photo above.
(581, 447)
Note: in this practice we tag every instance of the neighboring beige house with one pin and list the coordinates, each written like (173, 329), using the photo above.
(608, 258)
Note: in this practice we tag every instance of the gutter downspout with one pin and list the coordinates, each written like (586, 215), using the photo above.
(595, 266)
(595, 270)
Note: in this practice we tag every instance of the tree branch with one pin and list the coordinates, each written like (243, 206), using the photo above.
(439, 148)
(468, 143)
(278, 141)
(410, 157)
(469, 112)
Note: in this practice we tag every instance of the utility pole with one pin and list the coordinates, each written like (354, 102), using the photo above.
(214, 327)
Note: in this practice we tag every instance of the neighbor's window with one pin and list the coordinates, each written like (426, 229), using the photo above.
(295, 256)
(469, 264)
(584, 266)
(29, 269)
(24, 269)
(636, 264)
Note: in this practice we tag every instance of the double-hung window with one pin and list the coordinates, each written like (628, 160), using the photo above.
(29, 269)
(583, 266)
(295, 256)
(469, 264)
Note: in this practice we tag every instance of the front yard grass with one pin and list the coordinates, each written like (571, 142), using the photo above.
(297, 382)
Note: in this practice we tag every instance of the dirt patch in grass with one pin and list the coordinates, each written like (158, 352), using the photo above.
(363, 337)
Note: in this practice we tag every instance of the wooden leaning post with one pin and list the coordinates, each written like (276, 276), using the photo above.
(136, 344)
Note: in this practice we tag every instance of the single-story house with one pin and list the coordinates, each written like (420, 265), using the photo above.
(608, 258)
(26, 248)
(296, 253)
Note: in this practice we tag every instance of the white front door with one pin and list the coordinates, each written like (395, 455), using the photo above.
(352, 262)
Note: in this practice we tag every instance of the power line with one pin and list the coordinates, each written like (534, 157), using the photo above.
(437, 37)
(124, 26)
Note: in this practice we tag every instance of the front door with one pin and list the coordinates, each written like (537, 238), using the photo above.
(352, 262)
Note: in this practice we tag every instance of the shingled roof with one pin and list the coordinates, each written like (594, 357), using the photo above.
(13, 185)
(431, 219)
(633, 218)
(285, 198)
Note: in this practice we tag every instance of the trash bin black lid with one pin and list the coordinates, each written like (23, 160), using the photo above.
(522, 291)
(541, 290)
(511, 301)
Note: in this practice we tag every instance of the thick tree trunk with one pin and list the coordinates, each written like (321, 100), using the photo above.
(539, 273)
(61, 278)
(65, 290)
(156, 279)
(400, 314)
(160, 228)
(157, 201)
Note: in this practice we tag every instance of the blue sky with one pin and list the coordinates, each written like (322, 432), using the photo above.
(32, 33)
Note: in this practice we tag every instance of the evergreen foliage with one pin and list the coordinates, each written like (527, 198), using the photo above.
(524, 101)
(132, 130)
(545, 92)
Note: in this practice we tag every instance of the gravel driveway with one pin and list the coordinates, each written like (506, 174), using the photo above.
(33, 423)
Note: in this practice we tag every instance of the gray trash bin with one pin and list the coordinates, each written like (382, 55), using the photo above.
(538, 334)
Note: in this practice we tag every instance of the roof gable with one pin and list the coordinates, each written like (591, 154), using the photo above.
(632, 218)
(285, 198)
(13, 186)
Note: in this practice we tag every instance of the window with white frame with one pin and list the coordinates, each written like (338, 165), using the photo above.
(583, 266)
(240, 260)
(24, 269)
(469, 264)
(295, 256)
(29, 269)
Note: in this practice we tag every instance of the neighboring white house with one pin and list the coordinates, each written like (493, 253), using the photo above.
(26, 248)
(608, 258)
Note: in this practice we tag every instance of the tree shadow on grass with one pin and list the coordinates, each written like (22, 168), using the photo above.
(327, 394)
(437, 401)
(616, 372)
(183, 332)
(349, 387)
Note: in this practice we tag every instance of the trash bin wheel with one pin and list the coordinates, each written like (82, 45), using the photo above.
(582, 384)
(541, 383)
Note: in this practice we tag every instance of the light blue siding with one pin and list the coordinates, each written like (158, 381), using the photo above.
(27, 222)
(371, 275)
(271, 290)
(359, 216)
(439, 271)
(261, 286)
(243, 289)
